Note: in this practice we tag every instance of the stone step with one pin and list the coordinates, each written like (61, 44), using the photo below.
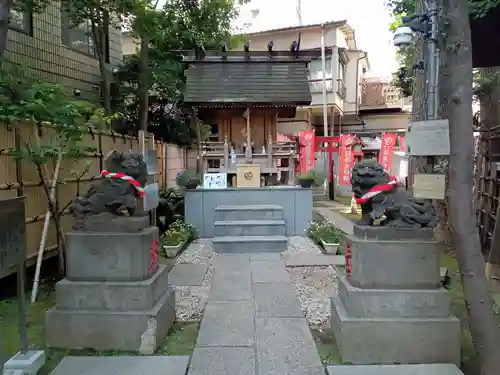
(250, 228)
(123, 365)
(249, 212)
(364, 341)
(427, 369)
(112, 296)
(250, 244)
(390, 303)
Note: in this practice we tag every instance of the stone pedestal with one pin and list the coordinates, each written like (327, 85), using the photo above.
(391, 309)
(115, 295)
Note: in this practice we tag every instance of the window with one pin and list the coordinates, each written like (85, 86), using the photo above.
(341, 71)
(341, 87)
(316, 71)
(21, 21)
(80, 38)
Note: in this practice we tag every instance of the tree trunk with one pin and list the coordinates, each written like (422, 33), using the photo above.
(5, 8)
(143, 84)
(457, 88)
(99, 36)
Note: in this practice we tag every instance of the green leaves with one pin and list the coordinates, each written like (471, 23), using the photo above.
(24, 100)
(177, 25)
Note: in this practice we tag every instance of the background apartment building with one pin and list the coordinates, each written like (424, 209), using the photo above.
(45, 46)
(356, 103)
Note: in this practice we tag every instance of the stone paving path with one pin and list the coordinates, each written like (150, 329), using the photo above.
(253, 323)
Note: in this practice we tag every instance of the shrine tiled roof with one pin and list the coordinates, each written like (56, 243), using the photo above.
(259, 81)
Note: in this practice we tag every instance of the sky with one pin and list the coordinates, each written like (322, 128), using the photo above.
(369, 18)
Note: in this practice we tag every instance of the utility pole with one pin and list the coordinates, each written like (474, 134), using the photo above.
(299, 12)
(432, 63)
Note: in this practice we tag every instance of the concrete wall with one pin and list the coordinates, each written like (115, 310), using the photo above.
(293, 126)
(130, 45)
(42, 54)
(386, 122)
(200, 206)
(176, 162)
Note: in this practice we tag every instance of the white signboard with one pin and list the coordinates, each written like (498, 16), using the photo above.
(428, 138)
(152, 197)
(151, 162)
(215, 181)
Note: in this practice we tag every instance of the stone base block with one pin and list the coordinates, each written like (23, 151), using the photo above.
(141, 331)
(94, 256)
(28, 363)
(405, 264)
(429, 369)
(363, 341)
(387, 303)
(112, 295)
(392, 234)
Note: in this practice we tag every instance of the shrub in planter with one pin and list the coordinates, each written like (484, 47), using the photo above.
(170, 208)
(178, 235)
(310, 179)
(187, 180)
(326, 235)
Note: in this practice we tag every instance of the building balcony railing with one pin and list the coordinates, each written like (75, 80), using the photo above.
(316, 85)
(379, 93)
(341, 88)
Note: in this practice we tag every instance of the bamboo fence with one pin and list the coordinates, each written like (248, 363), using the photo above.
(20, 177)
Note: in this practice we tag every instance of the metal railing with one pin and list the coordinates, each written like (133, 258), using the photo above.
(341, 88)
(316, 85)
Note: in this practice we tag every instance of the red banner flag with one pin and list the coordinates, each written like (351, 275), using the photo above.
(307, 156)
(402, 144)
(386, 150)
(346, 159)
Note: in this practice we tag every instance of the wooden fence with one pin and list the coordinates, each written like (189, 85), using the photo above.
(20, 177)
(487, 185)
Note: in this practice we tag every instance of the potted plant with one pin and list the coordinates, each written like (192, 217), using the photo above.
(305, 180)
(310, 179)
(187, 180)
(178, 235)
(325, 234)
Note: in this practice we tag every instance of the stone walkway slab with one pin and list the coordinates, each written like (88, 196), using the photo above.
(265, 256)
(431, 369)
(124, 365)
(308, 260)
(279, 300)
(232, 263)
(272, 271)
(286, 346)
(222, 361)
(231, 286)
(266, 333)
(227, 324)
(187, 274)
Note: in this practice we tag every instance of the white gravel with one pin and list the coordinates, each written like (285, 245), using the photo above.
(301, 245)
(190, 300)
(313, 285)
